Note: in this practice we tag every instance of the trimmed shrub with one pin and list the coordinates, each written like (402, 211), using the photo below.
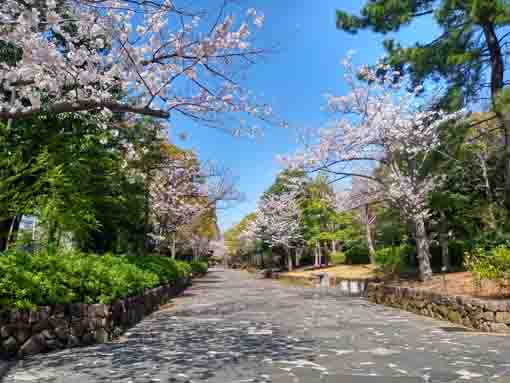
(28, 280)
(337, 258)
(198, 267)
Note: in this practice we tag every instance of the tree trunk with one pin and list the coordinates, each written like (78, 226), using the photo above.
(445, 254)
(146, 211)
(34, 230)
(423, 249)
(443, 241)
(5, 225)
(319, 254)
(333, 246)
(497, 64)
(173, 245)
(13, 230)
(299, 253)
(497, 83)
(289, 260)
(368, 233)
(316, 253)
(485, 174)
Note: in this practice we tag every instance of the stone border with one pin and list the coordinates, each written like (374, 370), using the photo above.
(48, 328)
(479, 314)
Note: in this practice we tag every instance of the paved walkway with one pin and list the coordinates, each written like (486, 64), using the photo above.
(231, 327)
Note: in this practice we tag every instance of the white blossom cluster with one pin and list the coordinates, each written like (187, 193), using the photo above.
(142, 57)
(177, 194)
(277, 221)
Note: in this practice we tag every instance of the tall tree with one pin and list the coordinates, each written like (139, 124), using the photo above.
(391, 129)
(468, 55)
(318, 215)
(277, 223)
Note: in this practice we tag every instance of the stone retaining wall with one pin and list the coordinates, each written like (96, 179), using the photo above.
(48, 328)
(482, 315)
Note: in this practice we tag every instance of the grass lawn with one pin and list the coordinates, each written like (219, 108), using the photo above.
(341, 271)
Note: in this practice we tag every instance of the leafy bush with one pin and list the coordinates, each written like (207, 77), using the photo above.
(356, 253)
(183, 269)
(167, 269)
(70, 277)
(392, 260)
(199, 267)
(489, 241)
(337, 258)
(490, 264)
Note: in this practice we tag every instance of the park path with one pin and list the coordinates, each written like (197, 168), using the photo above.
(233, 327)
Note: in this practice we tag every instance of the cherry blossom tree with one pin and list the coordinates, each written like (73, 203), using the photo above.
(141, 57)
(182, 193)
(277, 223)
(385, 133)
(175, 196)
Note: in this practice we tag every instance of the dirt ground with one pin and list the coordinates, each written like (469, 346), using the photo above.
(462, 283)
(342, 271)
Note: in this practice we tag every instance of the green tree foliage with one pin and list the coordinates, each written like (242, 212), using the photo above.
(285, 180)
(467, 43)
(232, 241)
(318, 213)
(394, 259)
(81, 179)
(69, 172)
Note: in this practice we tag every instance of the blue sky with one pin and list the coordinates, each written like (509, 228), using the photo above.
(293, 80)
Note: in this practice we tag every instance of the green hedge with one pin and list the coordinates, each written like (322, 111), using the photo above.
(199, 267)
(27, 280)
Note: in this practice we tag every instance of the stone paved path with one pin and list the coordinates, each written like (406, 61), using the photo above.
(232, 327)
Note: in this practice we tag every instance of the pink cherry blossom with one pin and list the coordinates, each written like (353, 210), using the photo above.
(164, 57)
